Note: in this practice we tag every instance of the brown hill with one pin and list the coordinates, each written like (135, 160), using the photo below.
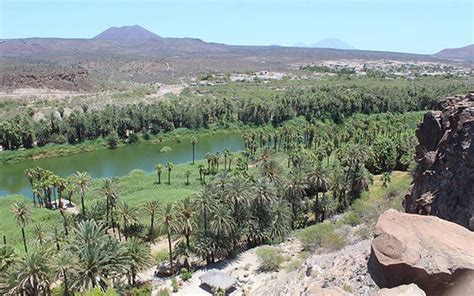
(465, 53)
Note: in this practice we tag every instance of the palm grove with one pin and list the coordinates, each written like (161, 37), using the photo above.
(285, 179)
(251, 104)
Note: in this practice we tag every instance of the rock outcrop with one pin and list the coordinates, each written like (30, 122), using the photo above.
(403, 290)
(433, 253)
(443, 183)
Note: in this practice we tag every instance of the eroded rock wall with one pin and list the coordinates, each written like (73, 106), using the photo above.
(443, 182)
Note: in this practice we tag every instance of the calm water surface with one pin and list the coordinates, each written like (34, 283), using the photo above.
(115, 162)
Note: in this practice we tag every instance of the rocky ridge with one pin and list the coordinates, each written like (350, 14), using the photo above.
(443, 182)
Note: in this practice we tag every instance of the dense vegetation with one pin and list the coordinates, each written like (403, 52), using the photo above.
(286, 179)
(233, 103)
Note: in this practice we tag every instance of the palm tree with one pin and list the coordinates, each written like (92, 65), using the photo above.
(201, 172)
(152, 207)
(60, 186)
(83, 180)
(34, 272)
(280, 225)
(193, 143)
(318, 180)
(168, 226)
(109, 189)
(139, 257)
(295, 190)
(187, 174)
(230, 156)
(237, 194)
(30, 175)
(209, 158)
(65, 265)
(170, 167)
(159, 170)
(222, 224)
(185, 221)
(100, 257)
(129, 215)
(56, 236)
(205, 204)
(40, 233)
(226, 154)
(7, 257)
(22, 216)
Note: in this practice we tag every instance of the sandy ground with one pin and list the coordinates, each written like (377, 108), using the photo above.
(244, 268)
(167, 89)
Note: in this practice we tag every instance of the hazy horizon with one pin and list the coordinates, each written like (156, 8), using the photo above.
(418, 26)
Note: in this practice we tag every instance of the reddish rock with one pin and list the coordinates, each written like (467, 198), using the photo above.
(443, 182)
(433, 253)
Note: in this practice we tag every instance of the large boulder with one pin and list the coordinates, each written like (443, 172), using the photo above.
(432, 253)
(403, 290)
(443, 182)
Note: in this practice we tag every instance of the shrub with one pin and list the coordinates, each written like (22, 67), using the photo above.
(112, 140)
(322, 235)
(133, 138)
(270, 258)
(185, 274)
(174, 284)
(164, 292)
(145, 290)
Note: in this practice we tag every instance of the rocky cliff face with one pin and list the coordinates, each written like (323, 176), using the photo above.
(443, 183)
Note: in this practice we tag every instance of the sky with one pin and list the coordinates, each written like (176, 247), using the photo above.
(417, 26)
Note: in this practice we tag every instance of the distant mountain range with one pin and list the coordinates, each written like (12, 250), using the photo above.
(465, 53)
(333, 43)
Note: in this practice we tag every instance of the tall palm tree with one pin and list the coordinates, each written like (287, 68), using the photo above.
(318, 180)
(56, 236)
(193, 143)
(230, 157)
(22, 216)
(65, 266)
(237, 194)
(159, 170)
(226, 154)
(109, 189)
(170, 167)
(30, 175)
(168, 226)
(187, 174)
(295, 190)
(139, 257)
(201, 172)
(185, 219)
(152, 208)
(83, 180)
(205, 204)
(280, 225)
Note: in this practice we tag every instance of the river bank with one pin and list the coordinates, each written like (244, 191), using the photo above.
(57, 150)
